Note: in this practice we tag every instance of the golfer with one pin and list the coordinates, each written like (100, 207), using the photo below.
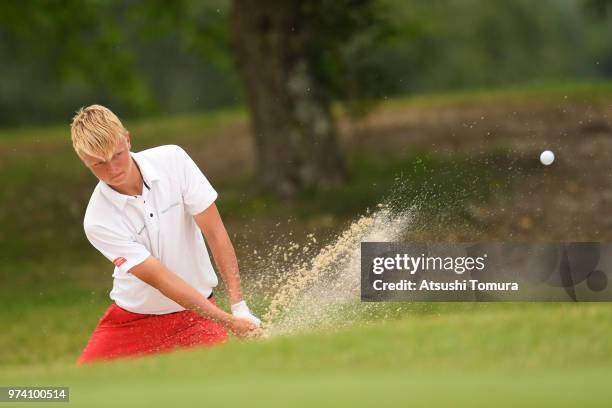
(147, 215)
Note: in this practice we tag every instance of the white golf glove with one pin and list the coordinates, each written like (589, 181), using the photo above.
(241, 310)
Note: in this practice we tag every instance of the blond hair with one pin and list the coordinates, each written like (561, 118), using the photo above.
(96, 130)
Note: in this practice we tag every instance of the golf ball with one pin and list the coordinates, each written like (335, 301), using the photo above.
(547, 157)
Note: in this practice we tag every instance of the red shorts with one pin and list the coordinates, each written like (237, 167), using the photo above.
(125, 334)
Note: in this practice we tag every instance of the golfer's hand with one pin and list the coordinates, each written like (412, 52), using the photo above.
(241, 309)
(242, 328)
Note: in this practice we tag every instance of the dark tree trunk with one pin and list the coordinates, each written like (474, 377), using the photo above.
(294, 131)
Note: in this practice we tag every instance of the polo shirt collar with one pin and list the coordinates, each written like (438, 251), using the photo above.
(149, 175)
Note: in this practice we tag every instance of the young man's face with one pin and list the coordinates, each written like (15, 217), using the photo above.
(114, 171)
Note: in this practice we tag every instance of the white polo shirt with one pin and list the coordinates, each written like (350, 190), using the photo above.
(128, 229)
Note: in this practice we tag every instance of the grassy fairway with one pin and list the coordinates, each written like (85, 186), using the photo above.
(472, 158)
(430, 355)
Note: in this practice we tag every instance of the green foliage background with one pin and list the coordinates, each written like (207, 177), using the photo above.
(151, 58)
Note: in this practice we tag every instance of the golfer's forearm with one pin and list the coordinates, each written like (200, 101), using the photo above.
(175, 288)
(210, 223)
(227, 264)
(153, 272)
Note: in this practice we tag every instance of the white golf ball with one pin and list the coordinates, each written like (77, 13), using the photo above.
(547, 157)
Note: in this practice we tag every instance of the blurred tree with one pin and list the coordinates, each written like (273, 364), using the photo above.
(600, 46)
(68, 42)
(294, 58)
(138, 57)
(599, 7)
(289, 54)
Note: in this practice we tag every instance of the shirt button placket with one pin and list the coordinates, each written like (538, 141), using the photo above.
(151, 217)
(149, 213)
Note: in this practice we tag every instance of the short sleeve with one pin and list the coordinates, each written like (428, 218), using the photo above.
(198, 193)
(117, 247)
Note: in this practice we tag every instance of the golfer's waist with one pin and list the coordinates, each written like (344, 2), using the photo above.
(151, 303)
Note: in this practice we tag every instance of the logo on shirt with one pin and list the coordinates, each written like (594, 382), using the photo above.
(169, 207)
(119, 261)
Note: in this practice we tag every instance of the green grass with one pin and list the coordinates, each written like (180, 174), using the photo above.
(434, 355)
(54, 288)
(389, 388)
(157, 129)
(555, 93)
(55, 199)
(45, 188)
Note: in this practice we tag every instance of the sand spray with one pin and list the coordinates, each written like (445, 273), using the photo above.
(324, 290)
